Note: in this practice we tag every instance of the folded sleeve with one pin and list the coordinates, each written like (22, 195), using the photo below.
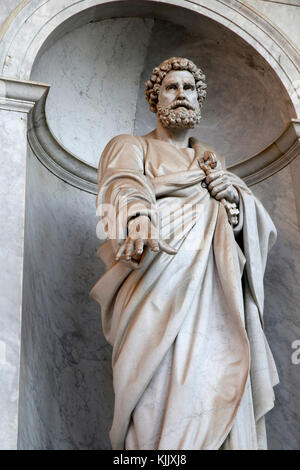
(124, 190)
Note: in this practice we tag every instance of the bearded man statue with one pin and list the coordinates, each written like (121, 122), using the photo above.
(182, 295)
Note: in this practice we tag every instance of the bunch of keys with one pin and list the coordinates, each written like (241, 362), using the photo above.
(208, 163)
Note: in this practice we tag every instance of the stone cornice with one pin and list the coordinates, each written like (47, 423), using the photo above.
(74, 171)
(273, 158)
(21, 96)
(25, 96)
(34, 23)
(20, 106)
(54, 156)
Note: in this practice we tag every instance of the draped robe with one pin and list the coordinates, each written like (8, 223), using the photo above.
(191, 365)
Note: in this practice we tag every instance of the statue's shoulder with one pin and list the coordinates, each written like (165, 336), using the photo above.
(122, 151)
(125, 139)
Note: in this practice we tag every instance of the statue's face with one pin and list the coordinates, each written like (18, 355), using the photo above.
(178, 85)
(178, 100)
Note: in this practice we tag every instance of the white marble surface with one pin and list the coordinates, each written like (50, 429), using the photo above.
(87, 106)
(240, 116)
(282, 300)
(65, 384)
(60, 408)
(40, 21)
(6, 8)
(94, 74)
(295, 172)
(64, 353)
(285, 16)
(12, 207)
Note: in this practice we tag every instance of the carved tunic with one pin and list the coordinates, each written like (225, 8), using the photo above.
(184, 328)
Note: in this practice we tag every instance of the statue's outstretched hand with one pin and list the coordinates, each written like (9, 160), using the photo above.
(141, 233)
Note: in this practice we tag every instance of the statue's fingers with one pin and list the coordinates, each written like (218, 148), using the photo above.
(221, 179)
(223, 194)
(218, 188)
(153, 244)
(214, 182)
(217, 182)
(120, 251)
(212, 175)
(139, 246)
(164, 246)
(129, 248)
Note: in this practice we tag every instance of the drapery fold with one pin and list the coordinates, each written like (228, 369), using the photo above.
(183, 327)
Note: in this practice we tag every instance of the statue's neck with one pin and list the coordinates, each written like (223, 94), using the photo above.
(175, 136)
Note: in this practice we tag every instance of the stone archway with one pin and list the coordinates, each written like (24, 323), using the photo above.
(35, 25)
(29, 30)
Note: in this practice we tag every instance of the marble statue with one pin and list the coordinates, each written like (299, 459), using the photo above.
(182, 295)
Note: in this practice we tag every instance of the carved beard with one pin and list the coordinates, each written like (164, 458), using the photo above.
(180, 118)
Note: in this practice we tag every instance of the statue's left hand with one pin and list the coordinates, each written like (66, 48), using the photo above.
(220, 186)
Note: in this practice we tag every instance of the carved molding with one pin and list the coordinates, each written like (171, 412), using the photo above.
(54, 156)
(292, 3)
(26, 96)
(76, 172)
(34, 23)
(20, 96)
(15, 105)
(273, 158)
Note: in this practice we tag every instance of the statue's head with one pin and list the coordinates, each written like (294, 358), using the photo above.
(176, 92)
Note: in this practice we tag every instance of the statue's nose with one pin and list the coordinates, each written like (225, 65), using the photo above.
(180, 94)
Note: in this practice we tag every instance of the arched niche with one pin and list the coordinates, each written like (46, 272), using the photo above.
(66, 393)
(272, 62)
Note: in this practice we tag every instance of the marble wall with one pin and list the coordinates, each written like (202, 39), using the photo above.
(6, 8)
(95, 72)
(66, 395)
(66, 391)
(65, 384)
(282, 300)
(284, 13)
(98, 72)
(12, 207)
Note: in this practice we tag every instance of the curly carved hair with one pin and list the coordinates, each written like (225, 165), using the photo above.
(159, 73)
